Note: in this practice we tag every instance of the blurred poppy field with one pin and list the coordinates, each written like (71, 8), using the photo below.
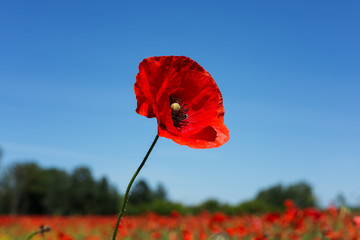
(294, 223)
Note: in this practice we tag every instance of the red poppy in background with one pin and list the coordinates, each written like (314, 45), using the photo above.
(185, 100)
(357, 221)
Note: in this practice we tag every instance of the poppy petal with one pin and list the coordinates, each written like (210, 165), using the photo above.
(144, 107)
(198, 121)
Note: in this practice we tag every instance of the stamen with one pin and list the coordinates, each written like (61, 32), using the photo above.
(175, 107)
(178, 112)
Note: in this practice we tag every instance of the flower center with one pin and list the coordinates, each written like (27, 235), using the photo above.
(175, 107)
(178, 112)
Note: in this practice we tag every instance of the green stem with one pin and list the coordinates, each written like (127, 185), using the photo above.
(33, 234)
(42, 230)
(129, 186)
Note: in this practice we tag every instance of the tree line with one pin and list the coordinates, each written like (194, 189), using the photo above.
(27, 188)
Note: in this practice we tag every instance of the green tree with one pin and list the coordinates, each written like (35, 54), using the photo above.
(25, 188)
(82, 191)
(160, 192)
(141, 193)
(274, 196)
(211, 205)
(56, 200)
(107, 200)
(22, 189)
(300, 193)
(255, 206)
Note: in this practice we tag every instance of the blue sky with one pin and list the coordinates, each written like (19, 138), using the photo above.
(288, 71)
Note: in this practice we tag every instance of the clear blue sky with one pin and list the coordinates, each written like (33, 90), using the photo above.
(289, 72)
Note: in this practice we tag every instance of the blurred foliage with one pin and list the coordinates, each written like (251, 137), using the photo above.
(26, 188)
(301, 194)
(143, 199)
(271, 199)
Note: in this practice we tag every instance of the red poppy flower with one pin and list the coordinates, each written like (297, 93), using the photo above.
(185, 100)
